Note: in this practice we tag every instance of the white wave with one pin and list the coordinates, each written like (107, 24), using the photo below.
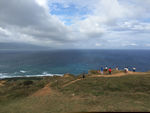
(6, 75)
(49, 74)
(44, 73)
(22, 71)
(2, 75)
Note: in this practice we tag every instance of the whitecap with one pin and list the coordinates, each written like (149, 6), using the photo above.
(22, 71)
(3, 76)
(49, 74)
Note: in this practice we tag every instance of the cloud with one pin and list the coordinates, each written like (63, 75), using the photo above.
(147, 45)
(76, 23)
(98, 44)
(30, 22)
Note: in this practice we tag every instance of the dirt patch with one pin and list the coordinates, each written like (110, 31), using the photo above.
(2, 83)
(67, 75)
(44, 91)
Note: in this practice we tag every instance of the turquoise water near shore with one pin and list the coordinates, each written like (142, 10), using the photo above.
(57, 62)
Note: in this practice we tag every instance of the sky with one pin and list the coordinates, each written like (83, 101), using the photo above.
(76, 24)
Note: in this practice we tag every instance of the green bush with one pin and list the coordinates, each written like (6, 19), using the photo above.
(27, 82)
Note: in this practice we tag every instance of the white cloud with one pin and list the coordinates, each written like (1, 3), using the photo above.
(98, 44)
(148, 45)
(31, 23)
(4, 32)
(113, 23)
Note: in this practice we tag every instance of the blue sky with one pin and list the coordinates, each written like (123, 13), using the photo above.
(66, 13)
(77, 24)
(70, 10)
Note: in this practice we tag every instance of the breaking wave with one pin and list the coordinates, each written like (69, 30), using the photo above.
(6, 75)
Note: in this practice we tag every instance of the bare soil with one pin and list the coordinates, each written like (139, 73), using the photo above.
(44, 91)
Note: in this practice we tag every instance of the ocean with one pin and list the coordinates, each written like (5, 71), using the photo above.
(57, 62)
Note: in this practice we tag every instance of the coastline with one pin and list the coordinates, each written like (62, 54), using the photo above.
(90, 73)
(69, 93)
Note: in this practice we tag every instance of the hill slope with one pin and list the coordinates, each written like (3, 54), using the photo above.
(74, 94)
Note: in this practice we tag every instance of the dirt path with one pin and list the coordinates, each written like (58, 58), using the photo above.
(119, 74)
(113, 75)
(71, 82)
(44, 91)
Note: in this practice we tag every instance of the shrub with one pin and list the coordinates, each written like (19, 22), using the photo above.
(27, 82)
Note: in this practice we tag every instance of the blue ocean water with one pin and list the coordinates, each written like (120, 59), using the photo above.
(52, 62)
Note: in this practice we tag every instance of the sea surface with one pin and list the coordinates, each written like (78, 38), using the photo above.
(57, 62)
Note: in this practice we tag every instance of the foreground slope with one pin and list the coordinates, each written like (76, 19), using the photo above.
(130, 92)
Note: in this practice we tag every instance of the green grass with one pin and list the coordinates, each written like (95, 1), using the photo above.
(98, 86)
(127, 93)
(19, 88)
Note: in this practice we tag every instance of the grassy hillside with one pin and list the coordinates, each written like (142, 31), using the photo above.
(74, 94)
